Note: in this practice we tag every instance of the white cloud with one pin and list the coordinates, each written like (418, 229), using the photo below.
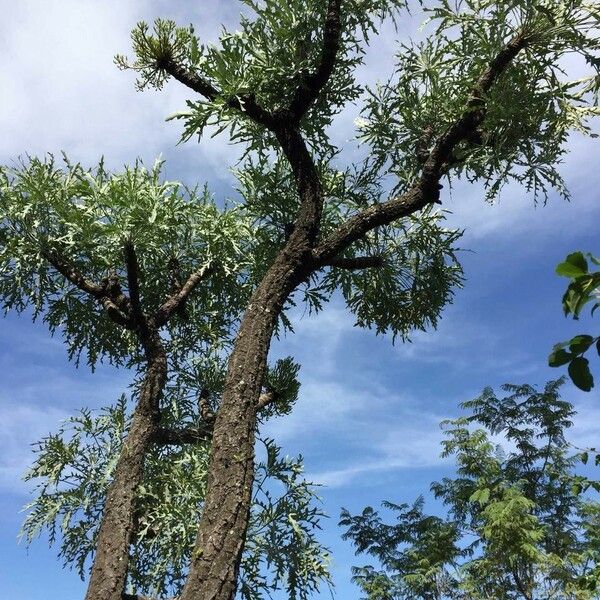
(61, 90)
(22, 425)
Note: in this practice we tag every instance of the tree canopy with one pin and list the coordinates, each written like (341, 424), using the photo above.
(515, 524)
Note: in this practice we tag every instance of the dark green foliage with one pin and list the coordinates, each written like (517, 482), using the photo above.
(582, 290)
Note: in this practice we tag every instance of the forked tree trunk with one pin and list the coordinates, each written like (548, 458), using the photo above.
(215, 561)
(109, 571)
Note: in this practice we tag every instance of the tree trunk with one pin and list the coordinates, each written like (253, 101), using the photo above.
(216, 558)
(109, 571)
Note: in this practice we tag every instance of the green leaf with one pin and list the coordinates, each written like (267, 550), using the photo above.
(580, 343)
(566, 269)
(579, 372)
(559, 357)
(584, 456)
(577, 260)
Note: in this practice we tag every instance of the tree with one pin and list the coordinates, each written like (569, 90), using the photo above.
(517, 525)
(61, 223)
(75, 468)
(582, 290)
(483, 97)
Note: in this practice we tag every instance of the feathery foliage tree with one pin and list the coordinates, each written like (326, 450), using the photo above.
(483, 97)
(517, 526)
(109, 260)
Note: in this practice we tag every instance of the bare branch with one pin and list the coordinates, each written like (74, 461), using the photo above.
(426, 190)
(356, 263)
(178, 299)
(189, 435)
(107, 293)
(311, 85)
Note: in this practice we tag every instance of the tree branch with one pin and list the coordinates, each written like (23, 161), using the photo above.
(356, 263)
(311, 85)
(108, 294)
(177, 437)
(466, 126)
(133, 280)
(426, 190)
(178, 299)
(247, 105)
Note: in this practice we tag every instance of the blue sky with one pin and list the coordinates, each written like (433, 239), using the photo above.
(368, 418)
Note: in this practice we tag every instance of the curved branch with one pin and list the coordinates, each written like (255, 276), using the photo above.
(245, 104)
(311, 85)
(426, 190)
(107, 293)
(178, 299)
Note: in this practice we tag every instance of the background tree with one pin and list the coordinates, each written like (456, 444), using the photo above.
(483, 97)
(582, 290)
(517, 525)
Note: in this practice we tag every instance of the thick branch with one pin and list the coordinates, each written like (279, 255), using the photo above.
(244, 104)
(426, 190)
(370, 218)
(311, 85)
(114, 303)
(356, 263)
(308, 183)
(178, 299)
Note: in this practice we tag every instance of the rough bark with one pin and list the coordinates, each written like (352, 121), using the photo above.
(109, 570)
(215, 561)
(216, 558)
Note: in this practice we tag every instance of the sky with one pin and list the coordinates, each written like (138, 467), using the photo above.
(367, 422)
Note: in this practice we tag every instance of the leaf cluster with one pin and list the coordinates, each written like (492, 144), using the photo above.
(83, 218)
(582, 290)
(528, 112)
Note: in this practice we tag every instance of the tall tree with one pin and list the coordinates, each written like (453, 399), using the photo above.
(517, 526)
(71, 239)
(483, 97)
